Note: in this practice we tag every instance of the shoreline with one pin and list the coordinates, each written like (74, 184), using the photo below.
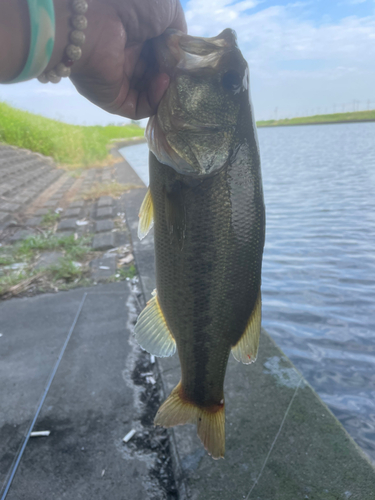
(315, 123)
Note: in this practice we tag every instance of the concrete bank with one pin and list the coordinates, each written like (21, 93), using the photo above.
(99, 393)
(282, 441)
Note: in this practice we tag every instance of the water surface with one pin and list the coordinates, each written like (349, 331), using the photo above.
(319, 261)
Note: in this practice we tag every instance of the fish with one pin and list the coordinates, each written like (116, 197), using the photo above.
(205, 201)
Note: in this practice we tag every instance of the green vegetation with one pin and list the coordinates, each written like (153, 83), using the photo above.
(74, 249)
(318, 119)
(67, 144)
(50, 219)
(122, 273)
(17, 264)
(19, 273)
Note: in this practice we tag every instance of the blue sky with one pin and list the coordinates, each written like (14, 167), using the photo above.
(305, 57)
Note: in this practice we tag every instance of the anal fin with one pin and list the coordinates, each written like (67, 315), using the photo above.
(146, 216)
(210, 421)
(246, 349)
(152, 332)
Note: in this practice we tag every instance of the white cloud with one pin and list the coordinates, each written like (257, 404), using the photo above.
(287, 50)
(282, 33)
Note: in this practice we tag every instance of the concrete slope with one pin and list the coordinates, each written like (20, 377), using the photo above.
(95, 399)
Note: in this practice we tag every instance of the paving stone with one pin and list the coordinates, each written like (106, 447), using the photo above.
(67, 225)
(103, 241)
(25, 197)
(77, 204)
(4, 189)
(103, 268)
(104, 212)
(43, 211)
(122, 239)
(105, 201)
(50, 203)
(48, 259)
(72, 212)
(104, 225)
(106, 177)
(67, 233)
(56, 198)
(34, 221)
(21, 234)
(10, 207)
(3, 217)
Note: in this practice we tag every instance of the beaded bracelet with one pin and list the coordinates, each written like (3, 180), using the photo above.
(73, 51)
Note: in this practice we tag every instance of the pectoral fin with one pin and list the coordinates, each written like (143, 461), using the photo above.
(146, 216)
(246, 349)
(152, 332)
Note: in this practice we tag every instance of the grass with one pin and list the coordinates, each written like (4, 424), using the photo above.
(27, 248)
(114, 189)
(18, 273)
(66, 144)
(332, 118)
(66, 269)
(69, 269)
(50, 219)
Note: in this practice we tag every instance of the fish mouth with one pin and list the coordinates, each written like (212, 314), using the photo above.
(175, 50)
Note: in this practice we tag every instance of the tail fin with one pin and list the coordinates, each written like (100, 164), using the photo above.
(210, 421)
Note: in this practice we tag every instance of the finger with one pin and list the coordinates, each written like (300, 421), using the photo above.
(139, 69)
(138, 105)
(158, 86)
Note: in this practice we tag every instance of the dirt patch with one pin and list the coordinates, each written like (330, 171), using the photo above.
(113, 189)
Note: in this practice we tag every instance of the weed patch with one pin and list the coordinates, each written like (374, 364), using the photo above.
(17, 263)
(50, 219)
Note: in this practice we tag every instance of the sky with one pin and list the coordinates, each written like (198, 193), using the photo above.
(305, 57)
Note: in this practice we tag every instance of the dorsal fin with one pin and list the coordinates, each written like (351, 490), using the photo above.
(152, 332)
(146, 216)
(246, 349)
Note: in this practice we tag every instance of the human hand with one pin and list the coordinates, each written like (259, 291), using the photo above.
(115, 71)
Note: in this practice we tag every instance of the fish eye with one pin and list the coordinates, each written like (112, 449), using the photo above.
(231, 80)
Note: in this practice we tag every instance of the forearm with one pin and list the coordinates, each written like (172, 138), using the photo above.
(14, 37)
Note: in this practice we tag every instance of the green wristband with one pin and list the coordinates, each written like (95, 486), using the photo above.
(42, 24)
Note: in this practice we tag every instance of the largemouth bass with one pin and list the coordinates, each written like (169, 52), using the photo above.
(206, 202)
